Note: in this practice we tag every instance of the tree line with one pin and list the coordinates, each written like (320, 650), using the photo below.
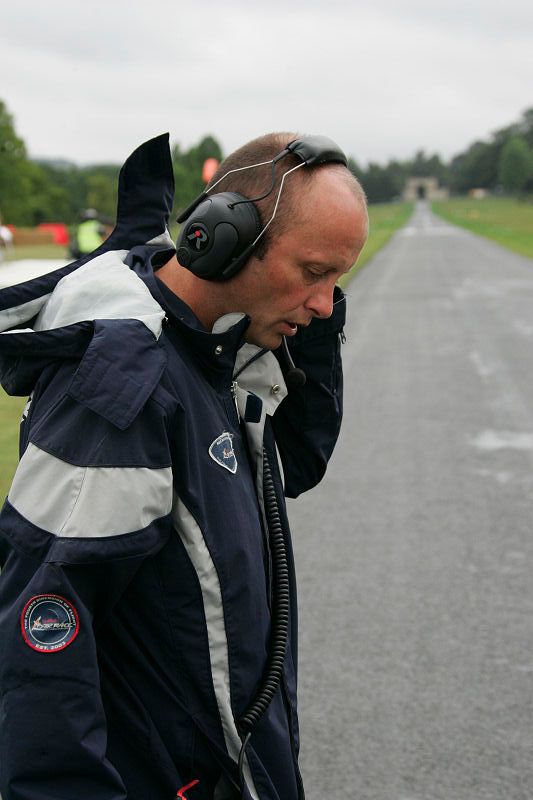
(34, 191)
(504, 164)
(43, 190)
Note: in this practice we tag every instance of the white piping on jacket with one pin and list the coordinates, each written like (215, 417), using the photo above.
(198, 552)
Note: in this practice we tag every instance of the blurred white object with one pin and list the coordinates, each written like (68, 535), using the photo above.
(6, 236)
(13, 272)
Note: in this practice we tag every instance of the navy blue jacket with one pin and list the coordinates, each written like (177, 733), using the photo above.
(136, 581)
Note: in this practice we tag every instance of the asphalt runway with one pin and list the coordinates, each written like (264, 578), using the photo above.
(415, 554)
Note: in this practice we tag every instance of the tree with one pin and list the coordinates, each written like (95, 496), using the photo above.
(15, 180)
(101, 184)
(68, 178)
(354, 168)
(476, 167)
(29, 193)
(525, 126)
(515, 166)
(379, 184)
(44, 200)
(479, 166)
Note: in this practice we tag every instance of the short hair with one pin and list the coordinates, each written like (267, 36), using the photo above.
(255, 182)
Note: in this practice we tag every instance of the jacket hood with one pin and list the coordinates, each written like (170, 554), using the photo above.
(53, 316)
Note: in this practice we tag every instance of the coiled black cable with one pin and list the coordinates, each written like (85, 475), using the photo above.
(280, 606)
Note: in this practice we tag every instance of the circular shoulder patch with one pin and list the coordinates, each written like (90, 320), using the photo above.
(49, 623)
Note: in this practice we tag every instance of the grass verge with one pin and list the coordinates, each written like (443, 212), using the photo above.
(10, 413)
(502, 219)
(36, 251)
(385, 219)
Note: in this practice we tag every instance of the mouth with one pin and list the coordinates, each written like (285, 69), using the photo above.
(289, 328)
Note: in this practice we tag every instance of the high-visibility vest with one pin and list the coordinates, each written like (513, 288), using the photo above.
(89, 236)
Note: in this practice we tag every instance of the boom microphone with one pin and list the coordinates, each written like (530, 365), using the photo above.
(295, 377)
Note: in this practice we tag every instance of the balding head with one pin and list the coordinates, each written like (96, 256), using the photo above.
(255, 182)
(317, 234)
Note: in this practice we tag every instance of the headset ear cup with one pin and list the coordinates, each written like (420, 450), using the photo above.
(219, 232)
(237, 263)
(240, 260)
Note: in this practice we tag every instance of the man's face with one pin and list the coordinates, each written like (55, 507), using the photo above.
(295, 280)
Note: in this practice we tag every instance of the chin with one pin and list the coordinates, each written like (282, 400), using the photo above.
(269, 341)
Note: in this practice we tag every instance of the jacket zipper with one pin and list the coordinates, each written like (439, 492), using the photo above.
(233, 390)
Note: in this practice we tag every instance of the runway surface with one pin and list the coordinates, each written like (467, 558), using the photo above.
(415, 555)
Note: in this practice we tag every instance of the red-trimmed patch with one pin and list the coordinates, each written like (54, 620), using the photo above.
(49, 623)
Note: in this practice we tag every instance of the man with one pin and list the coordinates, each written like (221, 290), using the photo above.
(147, 600)
(89, 234)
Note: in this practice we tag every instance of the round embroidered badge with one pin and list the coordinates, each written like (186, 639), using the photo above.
(49, 623)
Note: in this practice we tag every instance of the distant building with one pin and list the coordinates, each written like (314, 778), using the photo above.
(424, 189)
(478, 194)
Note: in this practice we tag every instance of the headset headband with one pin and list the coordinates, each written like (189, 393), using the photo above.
(310, 150)
(317, 150)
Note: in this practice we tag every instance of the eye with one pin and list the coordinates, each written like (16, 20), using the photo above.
(313, 274)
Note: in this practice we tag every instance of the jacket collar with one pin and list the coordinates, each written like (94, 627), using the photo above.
(216, 349)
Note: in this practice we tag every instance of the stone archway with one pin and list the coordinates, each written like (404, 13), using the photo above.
(423, 189)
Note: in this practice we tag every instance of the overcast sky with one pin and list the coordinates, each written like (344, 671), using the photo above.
(89, 81)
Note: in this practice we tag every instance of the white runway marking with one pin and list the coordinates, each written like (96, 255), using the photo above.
(503, 440)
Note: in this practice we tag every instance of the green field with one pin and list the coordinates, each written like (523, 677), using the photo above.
(10, 413)
(506, 221)
(36, 251)
(384, 220)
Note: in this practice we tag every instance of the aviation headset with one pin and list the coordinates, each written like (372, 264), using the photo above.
(220, 231)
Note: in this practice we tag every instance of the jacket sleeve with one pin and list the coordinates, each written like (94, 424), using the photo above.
(89, 502)
(307, 423)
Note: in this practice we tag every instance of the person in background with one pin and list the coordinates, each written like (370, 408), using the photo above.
(89, 234)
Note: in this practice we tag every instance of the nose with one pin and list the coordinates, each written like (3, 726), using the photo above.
(321, 302)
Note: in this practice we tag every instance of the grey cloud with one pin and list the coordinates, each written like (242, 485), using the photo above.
(384, 79)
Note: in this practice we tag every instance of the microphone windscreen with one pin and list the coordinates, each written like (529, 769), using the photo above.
(295, 378)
